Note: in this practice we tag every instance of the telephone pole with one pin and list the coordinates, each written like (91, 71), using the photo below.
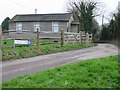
(35, 11)
(102, 20)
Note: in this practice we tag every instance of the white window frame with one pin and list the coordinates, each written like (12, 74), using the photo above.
(19, 27)
(55, 26)
(36, 26)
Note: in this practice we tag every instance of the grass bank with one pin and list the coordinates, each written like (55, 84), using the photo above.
(95, 73)
(31, 51)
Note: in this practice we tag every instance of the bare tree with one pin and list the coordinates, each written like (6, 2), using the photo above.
(84, 11)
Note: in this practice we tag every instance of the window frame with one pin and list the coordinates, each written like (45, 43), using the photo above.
(36, 25)
(55, 26)
(19, 27)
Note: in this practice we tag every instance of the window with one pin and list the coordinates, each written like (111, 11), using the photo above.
(55, 26)
(19, 27)
(36, 26)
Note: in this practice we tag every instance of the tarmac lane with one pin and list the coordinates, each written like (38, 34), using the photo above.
(14, 68)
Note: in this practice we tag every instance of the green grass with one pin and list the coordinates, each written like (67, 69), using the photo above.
(95, 73)
(22, 52)
(7, 43)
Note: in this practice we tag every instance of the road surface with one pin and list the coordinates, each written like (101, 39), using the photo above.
(14, 68)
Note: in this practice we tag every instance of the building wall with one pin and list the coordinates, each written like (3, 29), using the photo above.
(74, 28)
(44, 26)
(28, 26)
(69, 24)
(12, 26)
(25, 26)
(63, 25)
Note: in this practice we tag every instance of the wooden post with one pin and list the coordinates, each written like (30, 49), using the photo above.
(14, 43)
(91, 38)
(80, 37)
(62, 38)
(37, 38)
(83, 37)
(87, 37)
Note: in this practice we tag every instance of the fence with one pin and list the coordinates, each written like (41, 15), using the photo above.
(81, 37)
(10, 41)
(67, 37)
(61, 37)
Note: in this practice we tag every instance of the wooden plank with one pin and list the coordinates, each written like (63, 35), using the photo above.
(49, 37)
(47, 32)
(22, 31)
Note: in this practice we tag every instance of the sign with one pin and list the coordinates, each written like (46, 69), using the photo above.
(23, 42)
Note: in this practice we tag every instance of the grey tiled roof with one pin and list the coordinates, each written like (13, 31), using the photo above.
(42, 17)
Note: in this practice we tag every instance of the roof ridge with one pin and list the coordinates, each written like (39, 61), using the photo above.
(42, 17)
(42, 14)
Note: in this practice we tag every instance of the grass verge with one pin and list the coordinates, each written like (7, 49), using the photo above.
(22, 52)
(95, 73)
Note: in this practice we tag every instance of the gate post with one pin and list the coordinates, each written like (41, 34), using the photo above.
(80, 37)
(62, 37)
(90, 38)
(37, 38)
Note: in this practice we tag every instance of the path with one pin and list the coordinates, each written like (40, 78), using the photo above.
(11, 69)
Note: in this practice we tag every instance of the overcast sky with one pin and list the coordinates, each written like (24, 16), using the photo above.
(9, 8)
